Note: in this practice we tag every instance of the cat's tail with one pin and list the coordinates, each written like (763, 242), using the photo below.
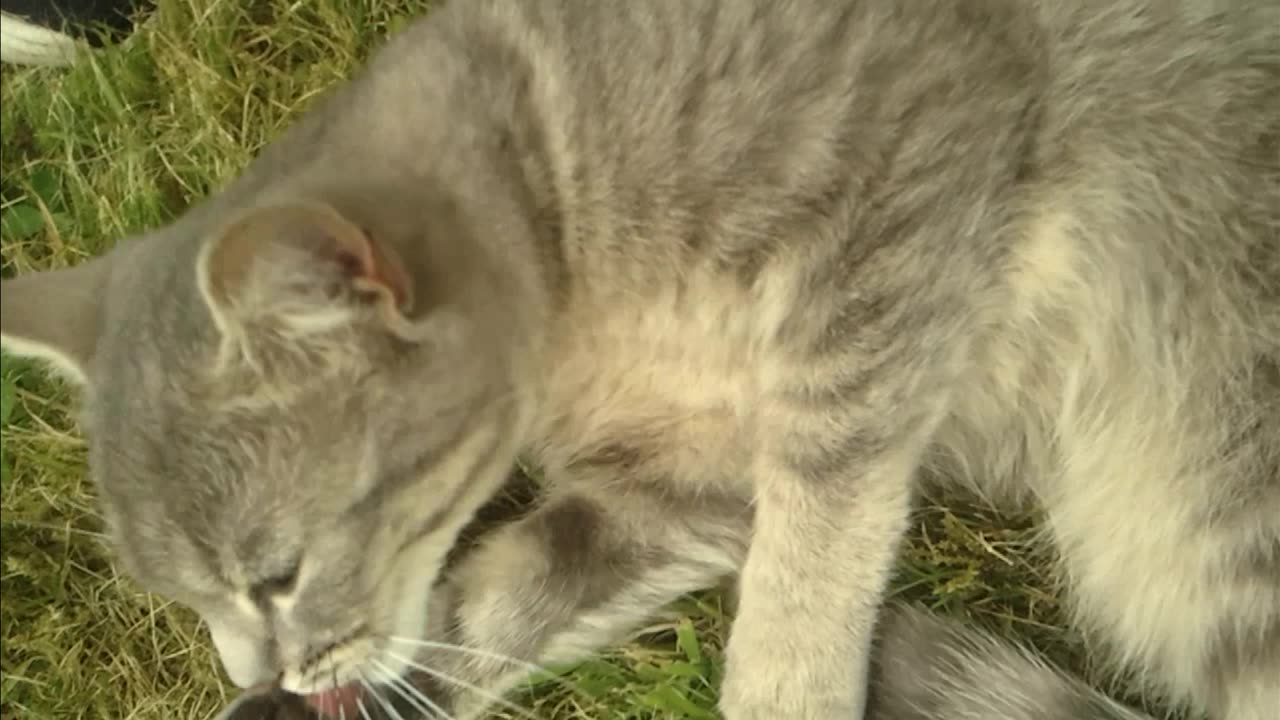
(929, 668)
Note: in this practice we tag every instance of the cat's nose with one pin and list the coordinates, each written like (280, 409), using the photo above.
(244, 652)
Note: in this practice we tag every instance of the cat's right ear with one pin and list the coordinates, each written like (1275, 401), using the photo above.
(55, 317)
(304, 267)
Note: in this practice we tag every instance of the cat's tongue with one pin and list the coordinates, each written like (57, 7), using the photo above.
(343, 702)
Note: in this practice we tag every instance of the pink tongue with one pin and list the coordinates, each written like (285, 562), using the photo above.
(343, 702)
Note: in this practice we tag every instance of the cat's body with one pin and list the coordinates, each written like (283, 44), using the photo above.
(735, 274)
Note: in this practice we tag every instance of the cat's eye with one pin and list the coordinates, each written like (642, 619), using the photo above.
(281, 583)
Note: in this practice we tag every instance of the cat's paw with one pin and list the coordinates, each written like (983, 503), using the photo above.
(430, 660)
(757, 705)
(772, 695)
(451, 674)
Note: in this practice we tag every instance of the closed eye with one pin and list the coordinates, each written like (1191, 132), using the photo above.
(277, 584)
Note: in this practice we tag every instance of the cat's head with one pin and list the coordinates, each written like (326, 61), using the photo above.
(284, 434)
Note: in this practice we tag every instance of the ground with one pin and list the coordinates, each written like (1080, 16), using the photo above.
(124, 141)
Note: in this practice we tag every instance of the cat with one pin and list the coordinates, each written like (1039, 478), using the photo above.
(738, 276)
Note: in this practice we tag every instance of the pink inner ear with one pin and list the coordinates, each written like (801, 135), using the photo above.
(322, 233)
(385, 269)
(353, 266)
(362, 259)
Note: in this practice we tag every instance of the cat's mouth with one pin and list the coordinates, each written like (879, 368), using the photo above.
(272, 701)
(339, 703)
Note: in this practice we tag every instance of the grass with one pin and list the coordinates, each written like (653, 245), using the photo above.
(125, 141)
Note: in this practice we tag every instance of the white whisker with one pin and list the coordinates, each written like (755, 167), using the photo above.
(498, 699)
(474, 652)
(363, 712)
(411, 694)
(377, 695)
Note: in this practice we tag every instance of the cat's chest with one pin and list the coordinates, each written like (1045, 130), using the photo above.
(666, 388)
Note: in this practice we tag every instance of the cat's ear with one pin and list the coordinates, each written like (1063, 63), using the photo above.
(55, 317)
(305, 267)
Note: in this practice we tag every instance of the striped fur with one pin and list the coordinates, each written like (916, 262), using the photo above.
(736, 274)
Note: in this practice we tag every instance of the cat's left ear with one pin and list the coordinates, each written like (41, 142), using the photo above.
(55, 316)
(305, 267)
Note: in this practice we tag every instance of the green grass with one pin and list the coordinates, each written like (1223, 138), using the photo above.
(125, 141)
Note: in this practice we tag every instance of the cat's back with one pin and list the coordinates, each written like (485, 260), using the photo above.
(1158, 157)
(671, 134)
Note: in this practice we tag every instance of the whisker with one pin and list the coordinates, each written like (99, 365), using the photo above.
(369, 678)
(411, 694)
(333, 674)
(377, 695)
(363, 712)
(498, 699)
(475, 652)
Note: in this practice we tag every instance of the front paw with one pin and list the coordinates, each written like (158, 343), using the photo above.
(747, 697)
(767, 678)
(465, 667)
(430, 664)
(444, 670)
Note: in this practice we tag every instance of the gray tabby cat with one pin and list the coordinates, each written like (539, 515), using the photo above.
(736, 274)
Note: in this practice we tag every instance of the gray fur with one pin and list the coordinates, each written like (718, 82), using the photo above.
(733, 273)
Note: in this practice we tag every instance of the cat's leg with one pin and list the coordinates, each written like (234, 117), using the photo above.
(1195, 610)
(577, 573)
(833, 482)
(843, 423)
(819, 562)
(1170, 539)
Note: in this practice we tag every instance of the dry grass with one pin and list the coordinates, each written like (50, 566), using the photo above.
(124, 141)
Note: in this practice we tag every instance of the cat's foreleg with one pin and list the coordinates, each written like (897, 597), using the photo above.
(810, 591)
(571, 577)
(833, 483)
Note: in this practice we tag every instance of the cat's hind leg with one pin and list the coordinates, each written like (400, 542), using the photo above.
(1171, 548)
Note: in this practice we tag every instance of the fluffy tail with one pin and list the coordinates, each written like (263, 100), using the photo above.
(928, 668)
